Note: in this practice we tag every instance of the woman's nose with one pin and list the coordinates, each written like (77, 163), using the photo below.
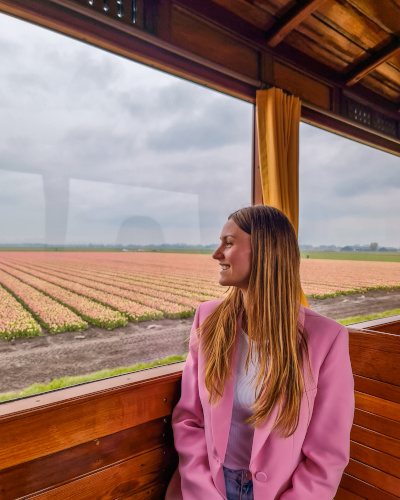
(217, 254)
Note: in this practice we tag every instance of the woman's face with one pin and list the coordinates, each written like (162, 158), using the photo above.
(234, 256)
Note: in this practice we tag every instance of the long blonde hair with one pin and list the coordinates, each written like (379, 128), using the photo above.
(272, 313)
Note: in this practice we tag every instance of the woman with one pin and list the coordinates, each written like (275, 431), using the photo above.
(267, 398)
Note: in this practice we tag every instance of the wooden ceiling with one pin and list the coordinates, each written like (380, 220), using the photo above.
(341, 57)
(359, 40)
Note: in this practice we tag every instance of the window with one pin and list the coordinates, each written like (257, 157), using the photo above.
(115, 181)
(349, 226)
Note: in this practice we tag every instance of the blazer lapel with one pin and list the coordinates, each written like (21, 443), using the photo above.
(261, 434)
(221, 414)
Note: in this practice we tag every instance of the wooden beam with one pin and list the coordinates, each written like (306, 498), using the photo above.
(291, 19)
(372, 62)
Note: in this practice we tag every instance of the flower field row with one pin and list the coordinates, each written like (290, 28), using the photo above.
(153, 282)
(51, 314)
(166, 293)
(91, 311)
(107, 289)
(135, 305)
(15, 321)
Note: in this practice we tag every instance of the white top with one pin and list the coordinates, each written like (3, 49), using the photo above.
(240, 439)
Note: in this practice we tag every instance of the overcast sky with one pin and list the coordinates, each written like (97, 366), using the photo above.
(98, 149)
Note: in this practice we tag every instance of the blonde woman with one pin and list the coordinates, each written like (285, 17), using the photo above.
(267, 398)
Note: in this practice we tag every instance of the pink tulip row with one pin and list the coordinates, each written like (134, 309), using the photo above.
(91, 311)
(135, 305)
(170, 284)
(133, 310)
(15, 321)
(167, 294)
(51, 314)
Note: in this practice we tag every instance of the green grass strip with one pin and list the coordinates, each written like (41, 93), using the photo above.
(369, 317)
(63, 382)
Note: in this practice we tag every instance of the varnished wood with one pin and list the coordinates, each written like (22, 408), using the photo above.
(381, 324)
(375, 441)
(382, 480)
(53, 470)
(376, 388)
(378, 406)
(121, 480)
(378, 364)
(363, 488)
(197, 36)
(37, 434)
(382, 461)
(372, 62)
(302, 86)
(291, 19)
(343, 494)
(377, 423)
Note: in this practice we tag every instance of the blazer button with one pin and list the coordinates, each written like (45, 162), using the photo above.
(260, 476)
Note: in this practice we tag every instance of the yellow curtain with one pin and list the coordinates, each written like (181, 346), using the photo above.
(278, 122)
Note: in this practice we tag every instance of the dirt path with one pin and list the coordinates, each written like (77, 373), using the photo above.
(43, 359)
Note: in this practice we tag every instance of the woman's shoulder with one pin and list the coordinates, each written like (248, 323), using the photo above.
(322, 331)
(206, 308)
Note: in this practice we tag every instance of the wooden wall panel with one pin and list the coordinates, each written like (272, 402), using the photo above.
(381, 425)
(375, 477)
(24, 439)
(364, 489)
(117, 481)
(58, 468)
(302, 86)
(212, 43)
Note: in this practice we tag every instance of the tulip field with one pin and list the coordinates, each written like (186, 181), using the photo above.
(69, 291)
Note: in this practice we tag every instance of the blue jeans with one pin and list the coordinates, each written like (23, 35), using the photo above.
(237, 486)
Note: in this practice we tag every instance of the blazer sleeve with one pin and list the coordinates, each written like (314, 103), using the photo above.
(189, 435)
(327, 442)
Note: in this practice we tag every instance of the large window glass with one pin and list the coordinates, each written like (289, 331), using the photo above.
(349, 230)
(115, 181)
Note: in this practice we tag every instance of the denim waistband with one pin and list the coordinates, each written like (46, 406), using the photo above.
(242, 476)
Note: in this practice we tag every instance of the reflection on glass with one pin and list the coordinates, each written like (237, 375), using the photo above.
(115, 181)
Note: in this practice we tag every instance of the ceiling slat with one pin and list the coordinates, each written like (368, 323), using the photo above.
(372, 62)
(291, 19)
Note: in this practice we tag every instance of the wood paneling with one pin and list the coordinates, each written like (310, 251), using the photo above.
(377, 459)
(364, 489)
(37, 435)
(251, 13)
(376, 388)
(353, 24)
(379, 424)
(343, 494)
(53, 470)
(302, 86)
(318, 52)
(375, 477)
(375, 441)
(378, 406)
(376, 364)
(216, 45)
(384, 14)
(289, 21)
(118, 481)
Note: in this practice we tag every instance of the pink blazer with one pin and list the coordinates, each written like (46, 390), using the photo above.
(305, 466)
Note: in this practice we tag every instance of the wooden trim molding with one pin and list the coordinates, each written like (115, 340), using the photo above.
(90, 390)
(288, 22)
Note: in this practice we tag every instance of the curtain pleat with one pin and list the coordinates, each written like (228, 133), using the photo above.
(278, 122)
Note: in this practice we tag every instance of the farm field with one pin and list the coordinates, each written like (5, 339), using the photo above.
(70, 291)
